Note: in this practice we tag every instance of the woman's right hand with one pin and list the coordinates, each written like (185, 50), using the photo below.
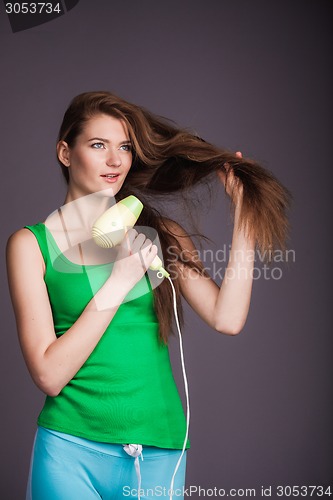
(136, 253)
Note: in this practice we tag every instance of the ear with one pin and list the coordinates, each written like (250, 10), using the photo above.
(63, 152)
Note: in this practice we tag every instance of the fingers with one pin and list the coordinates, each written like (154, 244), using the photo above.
(135, 255)
(227, 165)
(133, 240)
(148, 252)
(232, 184)
(238, 154)
(137, 242)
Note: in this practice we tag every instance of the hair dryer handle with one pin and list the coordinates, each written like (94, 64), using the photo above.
(156, 265)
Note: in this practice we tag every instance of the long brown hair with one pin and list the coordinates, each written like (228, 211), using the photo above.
(168, 159)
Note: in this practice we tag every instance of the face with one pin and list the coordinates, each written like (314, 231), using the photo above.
(100, 158)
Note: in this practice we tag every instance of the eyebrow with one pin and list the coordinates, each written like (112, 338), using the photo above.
(128, 141)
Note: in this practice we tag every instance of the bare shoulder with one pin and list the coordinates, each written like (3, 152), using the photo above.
(21, 235)
(22, 246)
(23, 238)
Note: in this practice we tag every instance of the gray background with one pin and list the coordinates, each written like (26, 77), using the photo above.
(251, 76)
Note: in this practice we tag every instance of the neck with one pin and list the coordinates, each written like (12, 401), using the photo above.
(83, 211)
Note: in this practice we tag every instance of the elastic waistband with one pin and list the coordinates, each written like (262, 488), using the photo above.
(115, 450)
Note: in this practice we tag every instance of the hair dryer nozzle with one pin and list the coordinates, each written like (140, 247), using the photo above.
(133, 204)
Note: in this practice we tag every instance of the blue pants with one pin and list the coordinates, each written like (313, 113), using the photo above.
(66, 467)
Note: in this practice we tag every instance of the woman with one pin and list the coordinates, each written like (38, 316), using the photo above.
(92, 329)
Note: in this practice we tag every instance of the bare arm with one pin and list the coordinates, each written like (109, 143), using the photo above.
(223, 308)
(53, 362)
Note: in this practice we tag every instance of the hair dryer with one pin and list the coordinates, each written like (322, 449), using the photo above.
(111, 227)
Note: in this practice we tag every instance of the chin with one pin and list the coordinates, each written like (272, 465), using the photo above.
(108, 193)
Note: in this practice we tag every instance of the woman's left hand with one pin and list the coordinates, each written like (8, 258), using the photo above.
(232, 184)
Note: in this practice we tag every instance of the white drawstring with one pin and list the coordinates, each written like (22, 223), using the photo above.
(135, 450)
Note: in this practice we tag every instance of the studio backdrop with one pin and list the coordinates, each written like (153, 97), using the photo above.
(254, 77)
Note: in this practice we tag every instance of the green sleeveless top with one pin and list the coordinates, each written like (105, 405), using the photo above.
(125, 391)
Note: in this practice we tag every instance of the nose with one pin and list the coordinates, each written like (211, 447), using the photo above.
(113, 159)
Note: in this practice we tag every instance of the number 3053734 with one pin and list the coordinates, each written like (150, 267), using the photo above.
(32, 8)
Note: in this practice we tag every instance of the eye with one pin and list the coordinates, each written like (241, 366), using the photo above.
(97, 145)
(126, 147)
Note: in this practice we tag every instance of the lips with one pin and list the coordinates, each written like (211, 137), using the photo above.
(109, 178)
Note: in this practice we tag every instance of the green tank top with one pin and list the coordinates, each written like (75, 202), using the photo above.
(125, 391)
